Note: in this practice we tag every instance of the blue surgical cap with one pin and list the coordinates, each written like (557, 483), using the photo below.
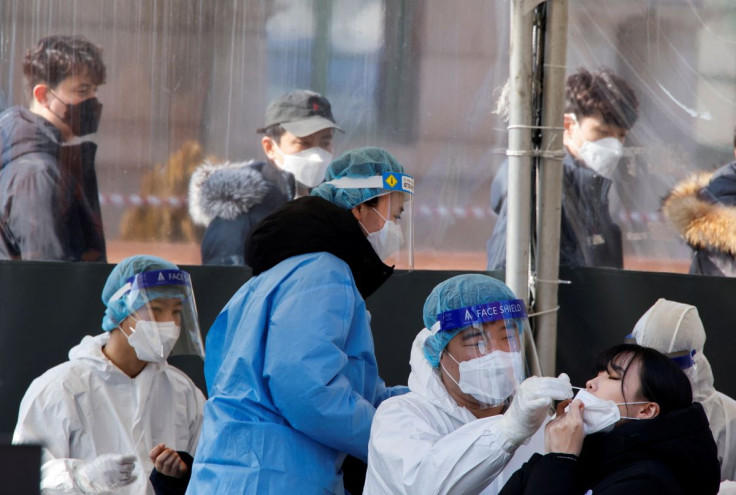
(118, 309)
(458, 292)
(360, 162)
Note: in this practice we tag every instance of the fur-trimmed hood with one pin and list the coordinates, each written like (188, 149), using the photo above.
(701, 218)
(225, 190)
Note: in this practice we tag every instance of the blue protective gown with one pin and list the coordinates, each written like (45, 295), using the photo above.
(293, 383)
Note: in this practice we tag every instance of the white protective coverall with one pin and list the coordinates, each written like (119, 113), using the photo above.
(87, 406)
(425, 443)
(669, 326)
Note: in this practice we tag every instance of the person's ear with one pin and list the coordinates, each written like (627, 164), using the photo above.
(358, 212)
(40, 94)
(268, 148)
(648, 410)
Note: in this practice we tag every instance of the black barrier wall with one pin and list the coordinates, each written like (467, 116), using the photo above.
(46, 308)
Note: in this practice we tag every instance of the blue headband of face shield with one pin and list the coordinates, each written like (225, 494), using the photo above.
(481, 313)
(683, 360)
(148, 281)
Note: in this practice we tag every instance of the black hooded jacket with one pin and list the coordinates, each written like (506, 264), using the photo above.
(671, 454)
(311, 225)
(49, 204)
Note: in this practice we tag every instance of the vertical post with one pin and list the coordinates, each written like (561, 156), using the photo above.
(519, 148)
(549, 197)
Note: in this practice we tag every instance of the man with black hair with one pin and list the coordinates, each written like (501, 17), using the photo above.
(703, 210)
(49, 206)
(229, 199)
(600, 109)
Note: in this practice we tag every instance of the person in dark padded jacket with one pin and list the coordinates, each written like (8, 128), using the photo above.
(703, 210)
(634, 429)
(229, 199)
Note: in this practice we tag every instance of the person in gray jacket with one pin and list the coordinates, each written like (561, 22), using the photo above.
(229, 199)
(49, 204)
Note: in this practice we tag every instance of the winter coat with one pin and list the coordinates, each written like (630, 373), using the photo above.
(673, 453)
(588, 235)
(423, 442)
(87, 407)
(49, 203)
(290, 367)
(229, 199)
(703, 210)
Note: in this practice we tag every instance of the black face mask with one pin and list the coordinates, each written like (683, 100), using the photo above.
(82, 118)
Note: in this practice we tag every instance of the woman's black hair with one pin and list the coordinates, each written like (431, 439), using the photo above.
(661, 380)
(373, 202)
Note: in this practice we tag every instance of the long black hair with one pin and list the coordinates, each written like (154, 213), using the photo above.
(662, 381)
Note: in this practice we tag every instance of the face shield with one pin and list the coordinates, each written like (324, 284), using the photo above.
(165, 297)
(489, 349)
(392, 232)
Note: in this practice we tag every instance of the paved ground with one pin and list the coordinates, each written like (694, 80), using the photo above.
(188, 254)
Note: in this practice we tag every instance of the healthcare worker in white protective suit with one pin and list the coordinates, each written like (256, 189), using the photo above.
(462, 426)
(675, 329)
(116, 409)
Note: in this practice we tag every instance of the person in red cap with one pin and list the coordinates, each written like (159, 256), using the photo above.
(229, 199)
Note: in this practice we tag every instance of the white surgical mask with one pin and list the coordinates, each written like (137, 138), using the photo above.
(492, 378)
(308, 166)
(153, 340)
(602, 155)
(600, 414)
(387, 240)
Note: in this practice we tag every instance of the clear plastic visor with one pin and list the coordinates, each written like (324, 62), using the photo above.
(396, 239)
(490, 349)
(167, 296)
(390, 224)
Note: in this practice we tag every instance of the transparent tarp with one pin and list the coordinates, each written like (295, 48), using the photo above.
(190, 79)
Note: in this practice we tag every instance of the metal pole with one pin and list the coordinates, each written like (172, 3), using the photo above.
(549, 197)
(519, 150)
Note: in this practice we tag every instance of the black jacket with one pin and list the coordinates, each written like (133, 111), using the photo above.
(311, 225)
(703, 210)
(230, 199)
(49, 203)
(588, 235)
(671, 454)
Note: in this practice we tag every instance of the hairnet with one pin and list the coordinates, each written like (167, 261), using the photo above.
(670, 326)
(118, 309)
(360, 162)
(455, 293)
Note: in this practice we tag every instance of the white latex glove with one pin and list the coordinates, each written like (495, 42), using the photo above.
(532, 404)
(105, 473)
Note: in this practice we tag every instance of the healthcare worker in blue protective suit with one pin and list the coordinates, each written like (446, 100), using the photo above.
(116, 410)
(471, 408)
(290, 367)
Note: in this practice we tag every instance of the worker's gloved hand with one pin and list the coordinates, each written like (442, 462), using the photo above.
(531, 405)
(104, 473)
